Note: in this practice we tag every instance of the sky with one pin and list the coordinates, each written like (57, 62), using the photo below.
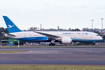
(53, 13)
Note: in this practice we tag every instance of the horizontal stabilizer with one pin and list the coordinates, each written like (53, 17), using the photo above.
(7, 35)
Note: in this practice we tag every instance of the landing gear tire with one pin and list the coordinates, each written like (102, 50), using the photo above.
(51, 44)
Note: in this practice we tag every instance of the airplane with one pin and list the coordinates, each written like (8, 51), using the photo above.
(52, 36)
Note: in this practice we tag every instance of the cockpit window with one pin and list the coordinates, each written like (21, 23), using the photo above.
(97, 35)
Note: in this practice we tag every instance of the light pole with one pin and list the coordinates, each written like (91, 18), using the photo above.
(40, 26)
(18, 44)
(102, 23)
(92, 23)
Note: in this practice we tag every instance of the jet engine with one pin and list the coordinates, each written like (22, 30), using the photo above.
(66, 40)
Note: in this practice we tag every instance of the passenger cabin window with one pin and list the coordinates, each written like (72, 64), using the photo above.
(81, 34)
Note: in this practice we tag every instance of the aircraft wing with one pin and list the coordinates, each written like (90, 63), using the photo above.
(48, 35)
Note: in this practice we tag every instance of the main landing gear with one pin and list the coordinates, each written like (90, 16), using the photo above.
(52, 43)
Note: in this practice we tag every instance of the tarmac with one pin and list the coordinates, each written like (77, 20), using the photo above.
(54, 55)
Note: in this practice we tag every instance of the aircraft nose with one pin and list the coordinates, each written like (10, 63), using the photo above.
(101, 38)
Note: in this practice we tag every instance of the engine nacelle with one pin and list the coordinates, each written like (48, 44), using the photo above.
(66, 40)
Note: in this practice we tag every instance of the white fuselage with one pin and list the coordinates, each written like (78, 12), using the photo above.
(74, 35)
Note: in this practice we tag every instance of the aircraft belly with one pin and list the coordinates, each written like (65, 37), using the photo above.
(88, 40)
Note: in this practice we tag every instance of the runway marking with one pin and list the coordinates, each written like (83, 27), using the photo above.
(56, 52)
(82, 52)
(95, 53)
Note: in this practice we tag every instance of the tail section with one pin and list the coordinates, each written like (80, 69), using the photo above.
(10, 25)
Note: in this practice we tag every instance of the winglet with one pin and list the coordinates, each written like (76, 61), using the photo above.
(10, 25)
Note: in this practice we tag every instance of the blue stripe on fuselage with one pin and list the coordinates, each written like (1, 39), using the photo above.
(33, 38)
(84, 40)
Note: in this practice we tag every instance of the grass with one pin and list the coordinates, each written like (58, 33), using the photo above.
(9, 51)
(50, 67)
